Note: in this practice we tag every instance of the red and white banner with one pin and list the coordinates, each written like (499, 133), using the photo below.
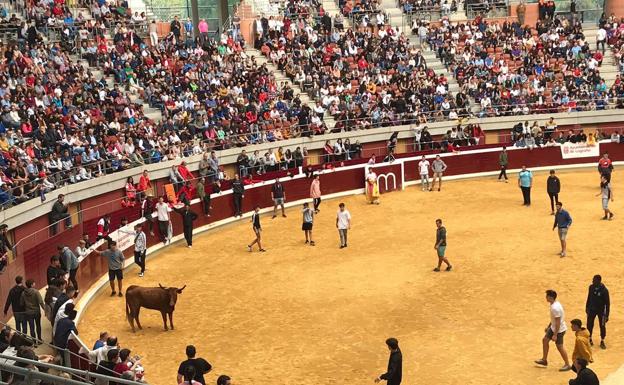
(579, 150)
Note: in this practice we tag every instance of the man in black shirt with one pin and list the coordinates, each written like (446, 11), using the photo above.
(238, 193)
(14, 301)
(395, 364)
(598, 304)
(106, 367)
(553, 187)
(187, 223)
(201, 366)
(54, 270)
(60, 211)
(584, 376)
(278, 195)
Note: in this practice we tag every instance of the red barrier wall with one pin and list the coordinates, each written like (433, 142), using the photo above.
(36, 254)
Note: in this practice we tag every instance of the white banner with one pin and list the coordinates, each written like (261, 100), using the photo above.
(579, 150)
(124, 237)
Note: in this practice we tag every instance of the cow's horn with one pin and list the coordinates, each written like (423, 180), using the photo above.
(161, 286)
(180, 289)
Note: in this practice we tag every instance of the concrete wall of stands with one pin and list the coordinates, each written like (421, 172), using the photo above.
(34, 252)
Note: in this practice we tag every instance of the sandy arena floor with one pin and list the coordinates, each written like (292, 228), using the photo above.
(302, 315)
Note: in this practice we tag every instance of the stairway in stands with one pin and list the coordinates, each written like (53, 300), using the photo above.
(280, 78)
(395, 18)
(608, 69)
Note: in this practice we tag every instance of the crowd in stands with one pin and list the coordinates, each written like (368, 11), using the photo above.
(509, 69)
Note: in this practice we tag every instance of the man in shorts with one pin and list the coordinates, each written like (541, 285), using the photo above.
(115, 266)
(308, 221)
(555, 332)
(607, 194)
(440, 246)
(257, 228)
(438, 166)
(278, 195)
(563, 221)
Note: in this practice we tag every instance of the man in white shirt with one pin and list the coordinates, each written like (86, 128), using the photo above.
(555, 332)
(343, 223)
(140, 248)
(423, 170)
(162, 214)
(601, 38)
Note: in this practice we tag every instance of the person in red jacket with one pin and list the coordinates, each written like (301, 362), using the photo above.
(184, 171)
(185, 194)
(104, 228)
(144, 184)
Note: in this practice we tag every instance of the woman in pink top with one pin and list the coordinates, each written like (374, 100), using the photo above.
(315, 192)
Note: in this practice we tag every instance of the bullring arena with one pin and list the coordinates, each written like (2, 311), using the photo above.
(128, 127)
(303, 315)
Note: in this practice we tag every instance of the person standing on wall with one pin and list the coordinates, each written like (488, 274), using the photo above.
(394, 374)
(69, 263)
(555, 332)
(308, 221)
(423, 170)
(438, 166)
(440, 246)
(257, 228)
(115, 259)
(607, 194)
(315, 192)
(278, 195)
(598, 304)
(503, 160)
(553, 187)
(525, 181)
(563, 221)
(162, 214)
(204, 197)
(605, 167)
(140, 248)
(188, 217)
(238, 193)
(14, 302)
(343, 224)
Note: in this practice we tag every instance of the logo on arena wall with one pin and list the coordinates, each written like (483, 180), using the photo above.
(386, 177)
(579, 150)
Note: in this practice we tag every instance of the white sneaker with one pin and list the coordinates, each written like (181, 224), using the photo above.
(141, 275)
(189, 246)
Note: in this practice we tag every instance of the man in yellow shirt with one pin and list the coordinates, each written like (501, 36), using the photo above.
(582, 349)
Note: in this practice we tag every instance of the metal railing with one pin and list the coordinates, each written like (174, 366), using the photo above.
(31, 374)
(349, 124)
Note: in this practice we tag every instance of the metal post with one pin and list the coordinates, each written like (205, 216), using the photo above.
(195, 13)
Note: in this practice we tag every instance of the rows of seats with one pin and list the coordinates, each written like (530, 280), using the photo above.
(511, 70)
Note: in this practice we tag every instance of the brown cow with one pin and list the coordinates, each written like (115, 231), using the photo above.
(156, 298)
